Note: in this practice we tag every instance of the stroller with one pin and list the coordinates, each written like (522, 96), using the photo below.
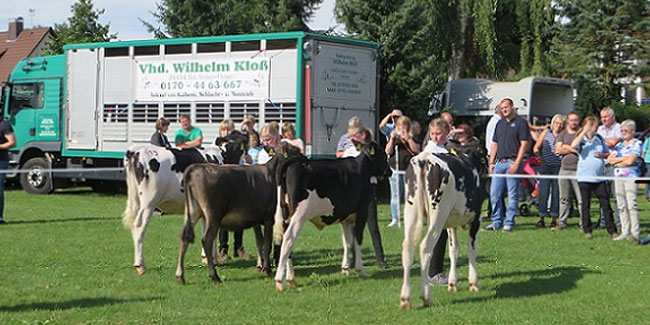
(528, 188)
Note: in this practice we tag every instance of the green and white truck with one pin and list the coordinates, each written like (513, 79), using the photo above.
(84, 108)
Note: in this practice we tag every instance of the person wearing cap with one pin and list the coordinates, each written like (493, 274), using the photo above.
(510, 142)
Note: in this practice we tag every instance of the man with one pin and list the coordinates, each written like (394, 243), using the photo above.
(189, 136)
(387, 124)
(345, 142)
(511, 138)
(7, 141)
(610, 130)
(449, 119)
(568, 187)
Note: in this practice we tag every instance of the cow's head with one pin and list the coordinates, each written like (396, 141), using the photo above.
(235, 146)
(377, 157)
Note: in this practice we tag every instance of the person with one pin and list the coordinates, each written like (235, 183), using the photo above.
(289, 136)
(225, 128)
(568, 187)
(510, 141)
(270, 138)
(159, 138)
(399, 149)
(362, 135)
(465, 140)
(489, 135)
(254, 146)
(387, 124)
(646, 159)
(7, 141)
(188, 136)
(545, 148)
(416, 131)
(248, 124)
(447, 117)
(624, 159)
(438, 131)
(592, 151)
(610, 130)
(345, 141)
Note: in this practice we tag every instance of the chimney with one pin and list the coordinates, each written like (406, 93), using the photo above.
(15, 28)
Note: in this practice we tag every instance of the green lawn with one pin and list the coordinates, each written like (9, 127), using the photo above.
(66, 259)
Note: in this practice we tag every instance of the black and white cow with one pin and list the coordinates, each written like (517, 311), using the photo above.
(154, 180)
(447, 192)
(233, 198)
(326, 192)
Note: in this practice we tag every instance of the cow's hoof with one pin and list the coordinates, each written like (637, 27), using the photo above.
(266, 270)
(292, 283)
(215, 279)
(405, 304)
(473, 287)
(452, 287)
(141, 269)
(204, 260)
(426, 302)
(362, 273)
(345, 271)
(180, 279)
(279, 286)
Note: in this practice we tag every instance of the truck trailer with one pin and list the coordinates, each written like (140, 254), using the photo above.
(84, 108)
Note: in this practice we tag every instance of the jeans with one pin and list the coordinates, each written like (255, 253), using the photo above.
(373, 228)
(647, 186)
(3, 165)
(496, 192)
(548, 187)
(626, 202)
(396, 182)
(568, 189)
(601, 191)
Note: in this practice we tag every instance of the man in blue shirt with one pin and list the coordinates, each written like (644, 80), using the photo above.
(510, 141)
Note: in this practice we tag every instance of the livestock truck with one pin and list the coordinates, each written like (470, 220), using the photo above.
(84, 108)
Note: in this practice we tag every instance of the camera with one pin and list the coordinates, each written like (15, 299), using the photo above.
(399, 132)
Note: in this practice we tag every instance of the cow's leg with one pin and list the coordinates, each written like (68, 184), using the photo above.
(346, 234)
(471, 253)
(426, 252)
(187, 236)
(288, 241)
(204, 258)
(410, 229)
(137, 232)
(259, 241)
(454, 250)
(209, 236)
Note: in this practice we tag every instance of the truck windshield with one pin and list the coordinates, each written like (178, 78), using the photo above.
(26, 96)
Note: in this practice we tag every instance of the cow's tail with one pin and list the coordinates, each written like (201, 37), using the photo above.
(281, 208)
(132, 197)
(191, 208)
(420, 197)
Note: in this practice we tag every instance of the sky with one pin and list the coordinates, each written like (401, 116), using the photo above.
(121, 14)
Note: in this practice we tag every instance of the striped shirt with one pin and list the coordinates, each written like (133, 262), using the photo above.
(549, 156)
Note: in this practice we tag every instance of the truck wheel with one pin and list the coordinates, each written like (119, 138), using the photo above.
(35, 181)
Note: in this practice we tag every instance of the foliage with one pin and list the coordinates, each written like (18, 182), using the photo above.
(82, 27)
(69, 263)
(640, 115)
(598, 42)
(182, 18)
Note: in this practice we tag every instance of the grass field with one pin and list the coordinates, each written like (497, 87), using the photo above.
(66, 259)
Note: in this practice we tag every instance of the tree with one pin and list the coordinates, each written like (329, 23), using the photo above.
(603, 45)
(82, 27)
(188, 18)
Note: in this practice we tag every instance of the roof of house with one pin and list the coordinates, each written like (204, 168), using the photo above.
(13, 51)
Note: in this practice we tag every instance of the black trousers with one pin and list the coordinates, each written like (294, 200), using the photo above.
(223, 240)
(438, 258)
(373, 228)
(601, 190)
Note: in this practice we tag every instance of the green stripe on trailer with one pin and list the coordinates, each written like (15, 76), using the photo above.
(93, 154)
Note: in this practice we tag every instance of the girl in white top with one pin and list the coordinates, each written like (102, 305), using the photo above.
(289, 135)
(270, 138)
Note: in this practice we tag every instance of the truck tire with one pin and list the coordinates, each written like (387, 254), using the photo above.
(36, 181)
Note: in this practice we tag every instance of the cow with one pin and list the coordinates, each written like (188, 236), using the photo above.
(233, 198)
(154, 180)
(326, 192)
(446, 191)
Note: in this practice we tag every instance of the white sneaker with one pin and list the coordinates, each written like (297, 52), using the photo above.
(438, 279)
(393, 223)
(621, 237)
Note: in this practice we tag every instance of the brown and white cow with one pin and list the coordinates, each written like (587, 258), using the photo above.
(446, 191)
(154, 180)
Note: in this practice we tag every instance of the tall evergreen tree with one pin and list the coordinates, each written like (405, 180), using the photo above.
(82, 27)
(186, 18)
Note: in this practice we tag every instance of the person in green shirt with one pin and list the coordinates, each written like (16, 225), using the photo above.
(189, 136)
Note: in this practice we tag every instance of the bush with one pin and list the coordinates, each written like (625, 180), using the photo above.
(641, 115)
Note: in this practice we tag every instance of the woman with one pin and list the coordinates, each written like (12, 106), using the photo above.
(270, 138)
(399, 149)
(159, 138)
(624, 159)
(592, 152)
(289, 136)
(551, 161)
(465, 141)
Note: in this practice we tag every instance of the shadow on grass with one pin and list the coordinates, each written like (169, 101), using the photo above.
(75, 303)
(20, 222)
(540, 282)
